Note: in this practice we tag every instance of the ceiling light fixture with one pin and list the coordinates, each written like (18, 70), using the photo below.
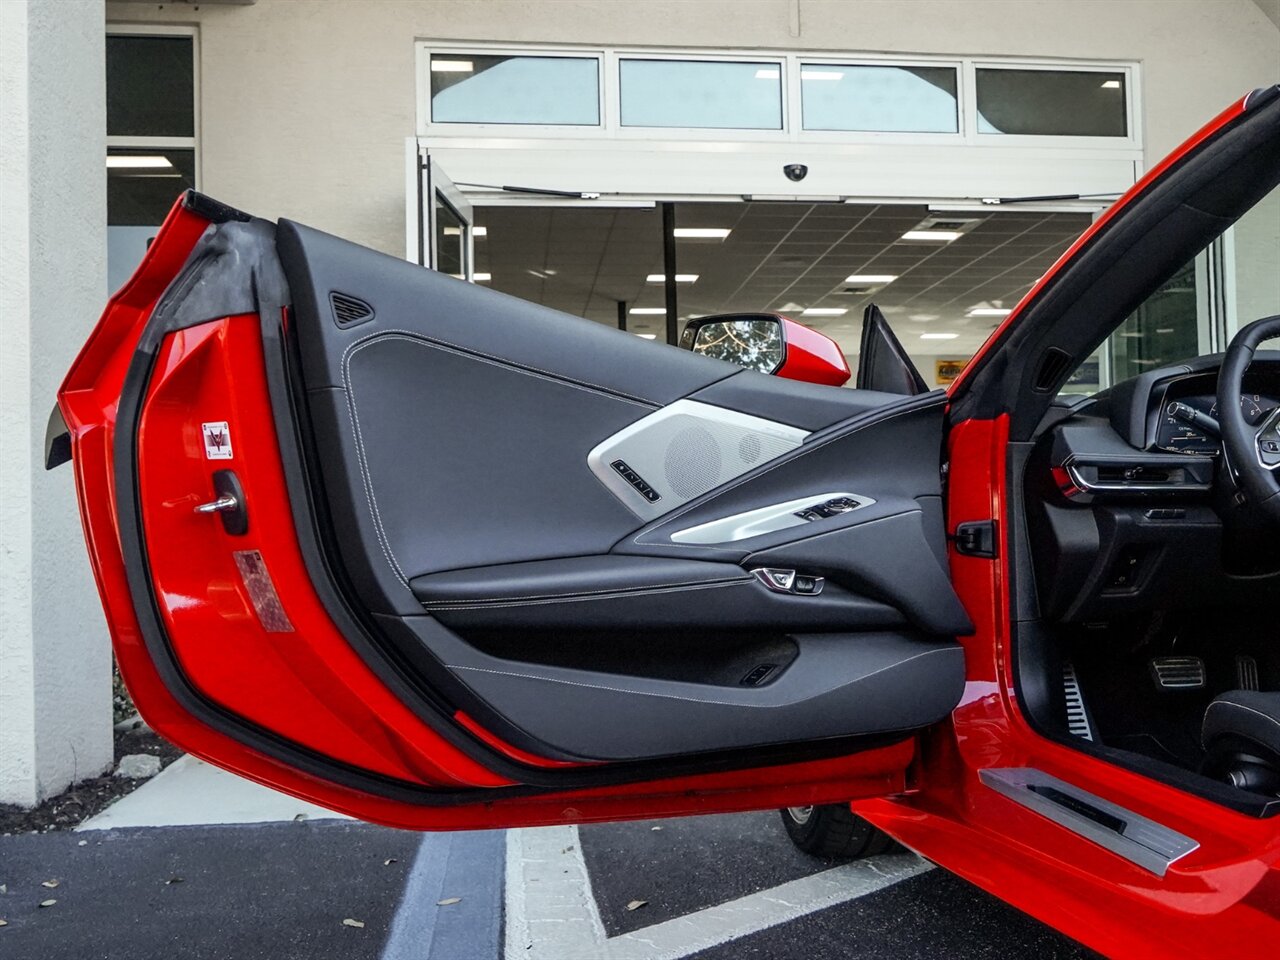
(475, 231)
(824, 312)
(1110, 84)
(138, 163)
(701, 233)
(876, 278)
(989, 312)
(767, 74)
(451, 66)
(931, 236)
(938, 336)
(647, 311)
(647, 336)
(923, 317)
(482, 277)
(680, 278)
(821, 75)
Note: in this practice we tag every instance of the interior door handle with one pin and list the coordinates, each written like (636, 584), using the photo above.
(228, 503)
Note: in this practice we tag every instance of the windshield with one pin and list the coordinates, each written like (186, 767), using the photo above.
(1232, 282)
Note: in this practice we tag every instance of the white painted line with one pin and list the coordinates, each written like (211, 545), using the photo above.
(551, 913)
(191, 792)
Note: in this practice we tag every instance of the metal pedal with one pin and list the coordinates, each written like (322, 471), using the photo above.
(1077, 716)
(1246, 672)
(1178, 673)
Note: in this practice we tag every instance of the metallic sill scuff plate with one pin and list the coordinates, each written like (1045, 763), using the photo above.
(1136, 838)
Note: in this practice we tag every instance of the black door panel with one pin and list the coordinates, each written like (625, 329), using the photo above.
(510, 569)
(832, 685)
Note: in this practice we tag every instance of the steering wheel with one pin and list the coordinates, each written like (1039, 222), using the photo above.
(1252, 452)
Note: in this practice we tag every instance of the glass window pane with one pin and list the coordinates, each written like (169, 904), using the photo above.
(450, 240)
(468, 88)
(691, 93)
(1163, 330)
(911, 99)
(1255, 262)
(1064, 103)
(141, 187)
(150, 87)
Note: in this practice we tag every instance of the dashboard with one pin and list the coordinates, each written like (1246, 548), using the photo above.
(1182, 429)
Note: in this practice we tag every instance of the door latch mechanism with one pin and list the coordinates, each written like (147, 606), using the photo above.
(228, 503)
(976, 538)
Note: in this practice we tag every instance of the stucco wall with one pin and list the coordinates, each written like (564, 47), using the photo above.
(55, 657)
(306, 103)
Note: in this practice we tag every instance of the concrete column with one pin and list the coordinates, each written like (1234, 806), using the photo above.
(55, 658)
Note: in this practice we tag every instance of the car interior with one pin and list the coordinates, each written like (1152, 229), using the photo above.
(1145, 531)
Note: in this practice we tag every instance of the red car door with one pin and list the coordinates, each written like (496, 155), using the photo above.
(440, 558)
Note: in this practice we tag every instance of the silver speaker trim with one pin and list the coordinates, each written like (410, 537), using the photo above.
(632, 437)
(758, 522)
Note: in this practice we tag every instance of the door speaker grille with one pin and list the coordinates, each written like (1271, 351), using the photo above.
(348, 310)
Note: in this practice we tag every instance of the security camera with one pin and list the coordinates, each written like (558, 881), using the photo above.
(795, 171)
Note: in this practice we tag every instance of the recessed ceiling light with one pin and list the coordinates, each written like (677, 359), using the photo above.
(768, 74)
(451, 66)
(938, 336)
(880, 278)
(647, 311)
(824, 312)
(680, 277)
(647, 336)
(482, 277)
(923, 317)
(821, 75)
(701, 233)
(931, 236)
(1110, 84)
(1164, 329)
(138, 163)
(989, 312)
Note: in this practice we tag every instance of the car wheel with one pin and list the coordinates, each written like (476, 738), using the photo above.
(833, 831)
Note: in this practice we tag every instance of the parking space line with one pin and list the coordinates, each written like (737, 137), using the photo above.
(463, 865)
(551, 913)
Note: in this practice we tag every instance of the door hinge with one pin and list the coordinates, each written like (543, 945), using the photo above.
(976, 538)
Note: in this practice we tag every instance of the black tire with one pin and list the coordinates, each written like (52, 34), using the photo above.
(834, 832)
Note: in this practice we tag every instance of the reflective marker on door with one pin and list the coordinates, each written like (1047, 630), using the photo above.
(262, 592)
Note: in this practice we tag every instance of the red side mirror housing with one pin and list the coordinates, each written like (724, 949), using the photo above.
(769, 343)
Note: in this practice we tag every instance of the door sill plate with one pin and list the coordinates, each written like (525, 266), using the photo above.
(1136, 838)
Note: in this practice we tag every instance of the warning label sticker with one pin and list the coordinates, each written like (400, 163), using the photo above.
(217, 440)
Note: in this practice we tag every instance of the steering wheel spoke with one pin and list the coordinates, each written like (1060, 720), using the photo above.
(1253, 452)
(1268, 441)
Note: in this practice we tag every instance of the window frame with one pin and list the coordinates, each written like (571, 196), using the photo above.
(790, 63)
(119, 29)
(1132, 103)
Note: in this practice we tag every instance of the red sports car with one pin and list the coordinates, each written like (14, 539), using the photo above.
(442, 559)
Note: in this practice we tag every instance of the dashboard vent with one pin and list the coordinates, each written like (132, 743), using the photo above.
(348, 310)
(1054, 367)
(1134, 475)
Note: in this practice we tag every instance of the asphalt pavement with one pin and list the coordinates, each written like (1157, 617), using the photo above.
(708, 887)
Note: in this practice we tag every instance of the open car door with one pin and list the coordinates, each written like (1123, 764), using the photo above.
(436, 557)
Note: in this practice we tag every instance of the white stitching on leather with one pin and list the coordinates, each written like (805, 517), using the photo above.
(648, 587)
(615, 595)
(384, 541)
(676, 696)
(1238, 706)
(782, 461)
(481, 357)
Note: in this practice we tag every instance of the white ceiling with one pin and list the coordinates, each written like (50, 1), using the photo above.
(781, 257)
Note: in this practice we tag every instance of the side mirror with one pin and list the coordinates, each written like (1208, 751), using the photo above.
(883, 364)
(769, 343)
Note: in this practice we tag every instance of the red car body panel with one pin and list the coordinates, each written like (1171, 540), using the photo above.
(1223, 899)
(812, 356)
